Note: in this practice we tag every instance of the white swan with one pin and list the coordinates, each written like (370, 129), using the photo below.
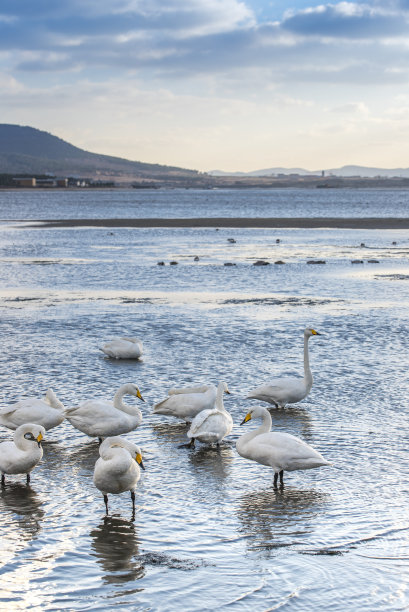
(281, 451)
(103, 418)
(48, 412)
(22, 454)
(117, 469)
(123, 348)
(188, 402)
(288, 390)
(211, 425)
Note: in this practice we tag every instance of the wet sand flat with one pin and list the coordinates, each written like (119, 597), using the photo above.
(236, 222)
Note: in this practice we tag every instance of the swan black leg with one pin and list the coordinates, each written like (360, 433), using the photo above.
(99, 441)
(133, 505)
(275, 480)
(3, 480)
(28, 478)
(190, 445)
(106, 501)
(282, 478)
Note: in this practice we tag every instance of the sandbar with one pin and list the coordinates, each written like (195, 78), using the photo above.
(376, 223)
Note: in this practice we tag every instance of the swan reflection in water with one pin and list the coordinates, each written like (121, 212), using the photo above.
(116, 547)
(23, 505)
(275, 518)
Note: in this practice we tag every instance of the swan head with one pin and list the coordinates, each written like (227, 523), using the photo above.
(309, 331)
(259, 411)
(132, 389)
(31, 431)
(117, 441)
(224, 388)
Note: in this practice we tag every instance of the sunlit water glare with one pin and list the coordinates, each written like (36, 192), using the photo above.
(210, 531)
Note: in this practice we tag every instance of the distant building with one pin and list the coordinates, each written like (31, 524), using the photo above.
(25, 181)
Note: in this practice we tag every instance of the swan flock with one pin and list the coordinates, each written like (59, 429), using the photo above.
(117, 469)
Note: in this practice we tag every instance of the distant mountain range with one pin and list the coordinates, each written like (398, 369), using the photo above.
(344, 171)
(26, 150)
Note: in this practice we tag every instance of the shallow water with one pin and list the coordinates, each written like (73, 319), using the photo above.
(210, 531)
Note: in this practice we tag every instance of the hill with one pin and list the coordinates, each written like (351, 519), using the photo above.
(26, 150)
(343, 172)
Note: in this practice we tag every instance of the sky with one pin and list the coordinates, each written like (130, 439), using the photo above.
(233, 85)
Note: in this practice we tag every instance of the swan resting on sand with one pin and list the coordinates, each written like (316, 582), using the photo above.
(48, 412)
(123, 348)
(117, 469)
(212, 425)
(103, 418)
(21, 455)
(188, 402)
(281, 451)
(291, 389)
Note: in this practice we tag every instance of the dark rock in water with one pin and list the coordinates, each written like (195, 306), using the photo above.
(363, 244)
(373, 261)
(196, 258)
(261, 262)
(279, 262)
(232, 240)
(394, 243)
(228, 263)
(316, 261)
(173, 263)
(161, 263)
(278, 240)
(357, 261)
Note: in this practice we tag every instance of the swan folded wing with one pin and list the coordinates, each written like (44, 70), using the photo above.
(199, 420)
(286, 452)
(283, 390)
(200, 389)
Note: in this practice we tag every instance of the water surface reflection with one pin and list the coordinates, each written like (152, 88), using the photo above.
(115, 546)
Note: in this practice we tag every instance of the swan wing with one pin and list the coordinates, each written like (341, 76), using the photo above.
(281, 391)
(185, 404)
(283, 451)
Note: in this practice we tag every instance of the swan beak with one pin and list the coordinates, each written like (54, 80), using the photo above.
(315, 333)
(227, 391)
(139, 461)
(246, 418)
(39, 438)
(138, 394)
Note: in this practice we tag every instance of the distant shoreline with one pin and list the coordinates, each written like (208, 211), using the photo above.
(233, 222)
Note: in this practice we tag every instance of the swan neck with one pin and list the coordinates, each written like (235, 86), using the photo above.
(119, 403)
(219, 398)
(307, 369)
(54, 401)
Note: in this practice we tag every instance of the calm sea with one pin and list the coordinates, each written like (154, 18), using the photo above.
(210, 531)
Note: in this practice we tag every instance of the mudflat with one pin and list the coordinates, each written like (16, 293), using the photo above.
(239, 222)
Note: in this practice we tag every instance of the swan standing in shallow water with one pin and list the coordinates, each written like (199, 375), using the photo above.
(117, 469)
(281, 451)
(123, 348)
(103, 418)
(288, 390)
(22, 454)
(188, 402)
(211, 425)
(48, 412)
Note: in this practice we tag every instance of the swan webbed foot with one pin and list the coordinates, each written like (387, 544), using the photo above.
(106, 502)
